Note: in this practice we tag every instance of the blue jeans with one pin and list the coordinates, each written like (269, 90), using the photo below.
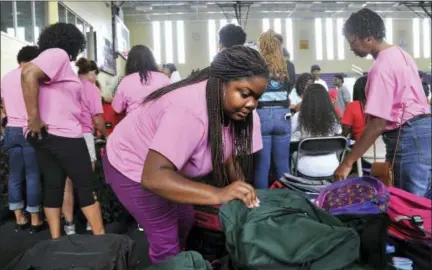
(276, 135)
(412, 168)
(22, 165)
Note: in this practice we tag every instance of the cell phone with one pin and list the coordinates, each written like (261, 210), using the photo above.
(44, 133)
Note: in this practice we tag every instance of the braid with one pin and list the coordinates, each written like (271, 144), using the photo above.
(302, 82)
(231, 64)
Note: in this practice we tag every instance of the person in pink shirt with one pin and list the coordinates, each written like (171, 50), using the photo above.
(52, 95)
(158, 155)
(22, 156)
(142, 78)
(91, 118)
(395, 104)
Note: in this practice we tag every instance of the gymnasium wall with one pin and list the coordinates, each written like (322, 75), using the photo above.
(197, 44)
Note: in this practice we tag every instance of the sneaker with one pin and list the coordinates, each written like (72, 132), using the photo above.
(69, 228)
(88, 228)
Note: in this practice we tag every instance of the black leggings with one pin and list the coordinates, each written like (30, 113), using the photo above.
(61, 157)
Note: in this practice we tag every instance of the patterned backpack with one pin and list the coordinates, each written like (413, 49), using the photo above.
(361, 195)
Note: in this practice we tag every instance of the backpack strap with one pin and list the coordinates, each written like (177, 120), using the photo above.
(417, 221)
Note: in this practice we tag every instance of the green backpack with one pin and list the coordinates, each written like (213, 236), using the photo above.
(286, 232)
(189, 260)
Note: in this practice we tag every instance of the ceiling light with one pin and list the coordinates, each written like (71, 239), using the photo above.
(143, 8)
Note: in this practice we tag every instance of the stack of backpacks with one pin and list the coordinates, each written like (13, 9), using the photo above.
(346, 225)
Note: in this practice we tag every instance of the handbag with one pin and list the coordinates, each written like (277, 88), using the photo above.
(384, 170)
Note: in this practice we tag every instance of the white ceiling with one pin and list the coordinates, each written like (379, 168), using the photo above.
(144, 11)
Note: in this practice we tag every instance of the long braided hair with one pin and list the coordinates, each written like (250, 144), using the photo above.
(231, 64)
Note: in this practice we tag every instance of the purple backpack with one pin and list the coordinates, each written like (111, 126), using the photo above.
(361, 195)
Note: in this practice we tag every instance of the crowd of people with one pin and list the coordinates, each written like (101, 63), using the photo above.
(207, 139)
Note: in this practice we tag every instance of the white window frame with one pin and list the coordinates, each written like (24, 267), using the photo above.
(86, 24)
(15, 24)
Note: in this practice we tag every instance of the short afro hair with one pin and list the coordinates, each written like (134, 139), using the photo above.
(27, 53)
(231, 35)
(64, 36)
(365, 23)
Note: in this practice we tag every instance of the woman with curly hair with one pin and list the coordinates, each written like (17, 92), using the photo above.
(274, 112)
(316, 118)
(52, 95)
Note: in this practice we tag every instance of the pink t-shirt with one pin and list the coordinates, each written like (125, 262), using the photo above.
(60, 96)
(394, 90)
(91, 104)
(176, 127)
(11, 93)
(131, 92)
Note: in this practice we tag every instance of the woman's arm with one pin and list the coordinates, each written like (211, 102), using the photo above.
(346, 130)
(373, 130)
(161, 177)
(99, 124)
(30, 77)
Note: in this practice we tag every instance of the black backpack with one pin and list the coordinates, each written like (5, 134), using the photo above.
(83, 252)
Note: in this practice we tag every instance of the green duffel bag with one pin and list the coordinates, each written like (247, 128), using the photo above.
(189, 260)
(286, 232)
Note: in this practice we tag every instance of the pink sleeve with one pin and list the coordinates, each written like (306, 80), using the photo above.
(257, 143)
(52, 62)
(119, 101)
(95, 100)
(178, 135)
(380, 90)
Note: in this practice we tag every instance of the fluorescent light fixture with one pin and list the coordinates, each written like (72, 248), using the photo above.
(169, 56)
(156, 41)
(389, 30)
(329, 39)
(277, 25)
(340, 39)
(416, 38)
(289, 42)
(212, 39)
(318, 39)
(426, 38)
(181, 58)
(265, 24)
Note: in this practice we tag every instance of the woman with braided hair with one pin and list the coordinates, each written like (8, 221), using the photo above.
(185, 131)
(274, 112)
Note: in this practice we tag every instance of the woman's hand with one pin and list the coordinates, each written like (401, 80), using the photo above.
(239, 190)
(342, 172)
(36, 126)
